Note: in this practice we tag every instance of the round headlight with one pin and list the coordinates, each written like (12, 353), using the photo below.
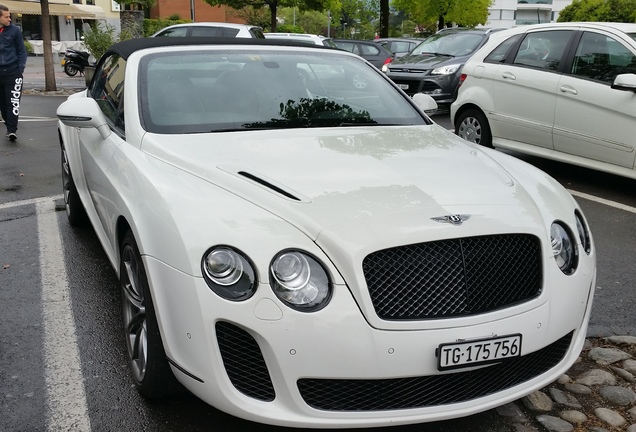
(228, 273)
(584, 233)
(563, 248)
(300, 281)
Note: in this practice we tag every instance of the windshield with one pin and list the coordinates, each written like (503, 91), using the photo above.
(218, 91)
(449, 44)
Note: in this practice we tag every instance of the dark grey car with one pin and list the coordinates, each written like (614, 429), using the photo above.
(435, 65)
(374, 53)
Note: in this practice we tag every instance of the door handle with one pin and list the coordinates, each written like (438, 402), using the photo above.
(568, 89)
(509, 75)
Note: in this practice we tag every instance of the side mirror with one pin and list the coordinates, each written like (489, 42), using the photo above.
(625, 82)
(425, 103)
(83, 113)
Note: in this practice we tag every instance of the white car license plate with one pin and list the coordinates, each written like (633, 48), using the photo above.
(478, 352)
(403, 86)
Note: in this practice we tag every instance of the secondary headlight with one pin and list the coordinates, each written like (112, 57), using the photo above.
(445, 70)
(563, 248)
(228, 273)
(584, 233)
(300, 281)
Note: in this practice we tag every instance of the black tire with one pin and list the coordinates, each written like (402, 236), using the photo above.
(70, 69)
(473, 126)
(75, 212)
(151, 372)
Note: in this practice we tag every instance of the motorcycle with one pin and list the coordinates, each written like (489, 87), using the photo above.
(75, 61)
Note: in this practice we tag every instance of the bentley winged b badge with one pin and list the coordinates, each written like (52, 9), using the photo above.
(455, 219)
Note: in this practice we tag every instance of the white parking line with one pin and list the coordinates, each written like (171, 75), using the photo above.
(603, 201)
(30, 201)
(66, 398)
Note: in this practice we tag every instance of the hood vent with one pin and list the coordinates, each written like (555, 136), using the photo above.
(269, 185)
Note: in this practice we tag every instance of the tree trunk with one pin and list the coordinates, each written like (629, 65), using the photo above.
(384, 18)
(272, 10)
(49, 71)
(440, 22)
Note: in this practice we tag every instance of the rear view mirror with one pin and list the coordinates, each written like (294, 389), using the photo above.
(425, 103)
(625, 82)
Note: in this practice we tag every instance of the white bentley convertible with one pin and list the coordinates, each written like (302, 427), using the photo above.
(299, 244)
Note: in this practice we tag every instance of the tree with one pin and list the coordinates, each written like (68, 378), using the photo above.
(47, 49)
(272, 5)
(466, 13)
(252, 15)
(599, 10)
(138, 4)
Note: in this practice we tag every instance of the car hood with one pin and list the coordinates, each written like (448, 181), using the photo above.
(424, 62)
(321, 178)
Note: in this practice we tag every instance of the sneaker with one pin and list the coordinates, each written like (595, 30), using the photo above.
(12, 136)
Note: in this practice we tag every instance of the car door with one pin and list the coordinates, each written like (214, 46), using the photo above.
(525, 88)
(96, 153)
(592, 120)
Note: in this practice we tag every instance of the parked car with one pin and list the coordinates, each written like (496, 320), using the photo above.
(211, 29)
(374, 53)
(298, 251)
(303, 37)
(434, 66)
(562, 91)
(398, 46)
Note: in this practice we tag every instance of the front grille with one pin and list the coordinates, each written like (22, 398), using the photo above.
(428, 391)
(458, 277)
(429, 86)
(244, 362)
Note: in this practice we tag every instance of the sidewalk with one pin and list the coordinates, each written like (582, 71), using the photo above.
(34, 77)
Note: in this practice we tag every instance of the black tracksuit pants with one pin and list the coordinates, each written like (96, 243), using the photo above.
(10, 94)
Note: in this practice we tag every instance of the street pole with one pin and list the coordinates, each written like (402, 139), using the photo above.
(192, 10)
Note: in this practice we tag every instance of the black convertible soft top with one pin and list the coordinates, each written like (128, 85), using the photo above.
(127, 47)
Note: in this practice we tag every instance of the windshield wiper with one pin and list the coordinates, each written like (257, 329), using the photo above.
(436, 54)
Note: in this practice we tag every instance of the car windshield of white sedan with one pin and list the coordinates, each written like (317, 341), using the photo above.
(202, 92)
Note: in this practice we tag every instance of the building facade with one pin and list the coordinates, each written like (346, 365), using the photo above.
(511, 13)
(68, 18)
(195, 10)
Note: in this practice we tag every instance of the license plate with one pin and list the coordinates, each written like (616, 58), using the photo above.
(403, 86)
(478, 352)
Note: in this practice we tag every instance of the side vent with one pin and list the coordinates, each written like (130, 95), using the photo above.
(268, 185)
(244, 362)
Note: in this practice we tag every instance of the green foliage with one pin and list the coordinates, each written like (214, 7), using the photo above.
(308, 21)
(152, 26)
(99, 38)
(289, 28)
(466, 13)
(174, 17)
(28, 47)
(599, 10)
(138, 4)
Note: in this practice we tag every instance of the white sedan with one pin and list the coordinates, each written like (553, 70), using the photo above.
(299, 251)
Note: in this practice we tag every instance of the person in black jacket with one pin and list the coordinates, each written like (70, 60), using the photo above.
(13, 58)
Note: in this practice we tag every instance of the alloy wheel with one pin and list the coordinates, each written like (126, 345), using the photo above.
(134, 313)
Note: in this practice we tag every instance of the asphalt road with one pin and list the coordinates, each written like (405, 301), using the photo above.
(45, 265)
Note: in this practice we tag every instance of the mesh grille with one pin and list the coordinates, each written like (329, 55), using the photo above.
(244, 362)
(427, 391)
(458, 277)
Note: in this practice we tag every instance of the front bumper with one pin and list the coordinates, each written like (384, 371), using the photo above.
(264, 362)
(442, 88)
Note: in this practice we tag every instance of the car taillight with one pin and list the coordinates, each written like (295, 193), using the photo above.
(387, 61)
(462, 78)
